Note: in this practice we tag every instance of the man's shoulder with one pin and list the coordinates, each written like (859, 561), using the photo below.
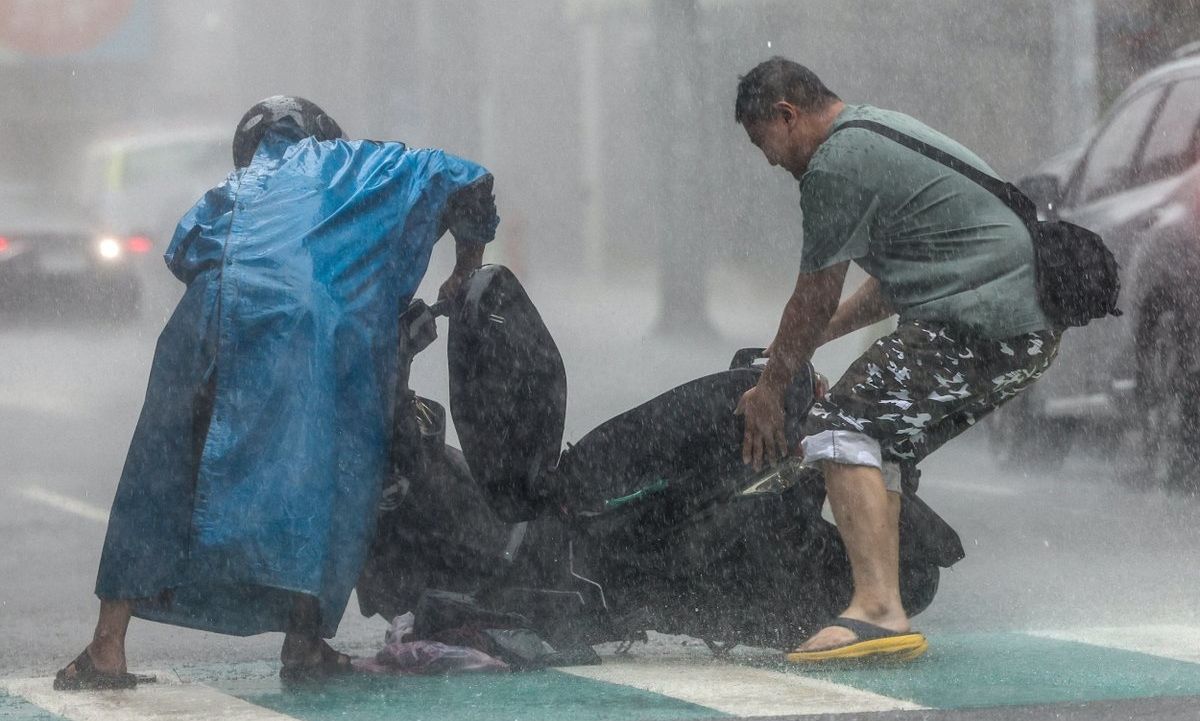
(859, 144)
(431, 160)
(850, 157)
(339, 151)
(826, 174)
(854, 142)
(894, 119)
(381, 160)
(891, 118)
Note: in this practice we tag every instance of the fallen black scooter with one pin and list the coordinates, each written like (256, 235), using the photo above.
(650, 521)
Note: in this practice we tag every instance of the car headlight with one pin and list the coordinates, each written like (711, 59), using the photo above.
(110, 248)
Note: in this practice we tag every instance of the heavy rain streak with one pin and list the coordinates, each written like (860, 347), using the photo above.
(691, 357)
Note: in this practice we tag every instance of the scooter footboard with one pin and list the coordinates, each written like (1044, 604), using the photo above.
(761, 568)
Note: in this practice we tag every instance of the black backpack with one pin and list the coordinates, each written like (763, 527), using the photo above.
(1077, 278)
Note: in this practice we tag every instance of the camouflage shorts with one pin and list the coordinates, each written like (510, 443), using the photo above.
(924, 384)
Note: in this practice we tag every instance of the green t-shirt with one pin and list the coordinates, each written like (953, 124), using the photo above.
(943, 248)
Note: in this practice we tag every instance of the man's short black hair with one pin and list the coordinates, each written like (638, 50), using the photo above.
(779, 79)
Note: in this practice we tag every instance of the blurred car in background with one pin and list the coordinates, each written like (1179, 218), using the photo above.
(55, 261)
(1135, 179)
(139, 185)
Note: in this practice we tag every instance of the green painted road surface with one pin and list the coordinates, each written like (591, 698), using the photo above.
(1002, 672)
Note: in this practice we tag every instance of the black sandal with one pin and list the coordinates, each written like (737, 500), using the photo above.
(331, 664)
(88, 678)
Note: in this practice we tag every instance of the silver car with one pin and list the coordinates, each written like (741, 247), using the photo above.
(1135, 179)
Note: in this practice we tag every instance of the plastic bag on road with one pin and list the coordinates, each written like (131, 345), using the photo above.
(404, 658)
(401, 628)
(403, 655)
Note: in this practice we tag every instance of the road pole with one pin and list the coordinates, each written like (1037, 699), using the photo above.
(1075, 70)
(591, 126)
(682, 250)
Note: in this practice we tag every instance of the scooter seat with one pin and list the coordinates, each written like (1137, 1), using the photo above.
(686, 443)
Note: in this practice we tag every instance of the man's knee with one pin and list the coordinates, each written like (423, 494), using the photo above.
(848, 448)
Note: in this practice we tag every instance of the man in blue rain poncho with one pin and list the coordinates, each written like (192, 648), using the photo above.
(248, 498)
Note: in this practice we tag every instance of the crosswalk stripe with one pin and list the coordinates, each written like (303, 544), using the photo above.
(1013, 667)
(168, 699)
(19, 400)
(739, 690)
(65, 503)
(1181, 643)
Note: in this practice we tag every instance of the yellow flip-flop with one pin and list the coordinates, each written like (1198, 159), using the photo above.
(874, 644)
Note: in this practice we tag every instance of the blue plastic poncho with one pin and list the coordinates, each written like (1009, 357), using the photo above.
(296, 268)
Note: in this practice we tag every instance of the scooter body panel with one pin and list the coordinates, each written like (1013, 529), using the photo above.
(683, 446)
(650, 521)
(508, 392)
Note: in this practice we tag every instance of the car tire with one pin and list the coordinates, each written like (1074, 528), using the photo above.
(1168, 407)
(1020, 437)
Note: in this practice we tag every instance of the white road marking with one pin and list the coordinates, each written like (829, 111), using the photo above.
(167, 700)
(1181, 643)
(65, 503)
(983, 488)
(738, 690)
(19, 399)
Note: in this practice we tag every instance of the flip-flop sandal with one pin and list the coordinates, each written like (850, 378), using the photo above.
(88, 678)
(874, 644)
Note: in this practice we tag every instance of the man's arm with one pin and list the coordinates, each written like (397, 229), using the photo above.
(468, 256)
(805, 318)
(865, 307)
(471, 218)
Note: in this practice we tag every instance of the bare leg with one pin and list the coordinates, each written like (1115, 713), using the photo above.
(108, 641)
(107, 649)
(868, 519)
(302, 642)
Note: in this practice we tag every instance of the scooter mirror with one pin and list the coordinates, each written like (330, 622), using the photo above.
(746, 358)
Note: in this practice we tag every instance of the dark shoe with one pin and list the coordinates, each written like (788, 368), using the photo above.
(87, 678)
(331, 664)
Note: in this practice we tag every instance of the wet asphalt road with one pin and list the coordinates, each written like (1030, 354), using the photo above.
(1045, 551)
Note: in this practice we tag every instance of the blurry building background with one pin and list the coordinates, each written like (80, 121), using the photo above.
(608, 123)
(1139, 34)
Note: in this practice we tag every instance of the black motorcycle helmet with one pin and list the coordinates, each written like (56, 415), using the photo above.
(266, 113)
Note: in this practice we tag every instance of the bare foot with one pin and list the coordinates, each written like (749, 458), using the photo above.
(107, 657)
(836, 636)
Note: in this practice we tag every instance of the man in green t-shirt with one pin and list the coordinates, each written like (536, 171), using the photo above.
(946, 255)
